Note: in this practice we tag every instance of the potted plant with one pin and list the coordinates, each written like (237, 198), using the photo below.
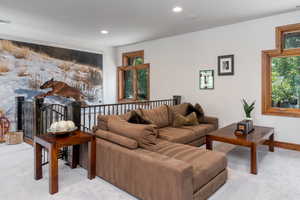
(248, 109)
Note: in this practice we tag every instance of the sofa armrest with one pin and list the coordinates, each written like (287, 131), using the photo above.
(118, 139)
(144, 174)
(211, 120)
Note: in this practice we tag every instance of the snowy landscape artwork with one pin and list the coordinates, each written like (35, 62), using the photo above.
(24, 67)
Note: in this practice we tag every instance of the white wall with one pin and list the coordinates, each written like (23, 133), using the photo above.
(27, 34)
(176, 61)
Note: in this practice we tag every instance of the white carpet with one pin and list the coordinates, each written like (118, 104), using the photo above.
(278, 178)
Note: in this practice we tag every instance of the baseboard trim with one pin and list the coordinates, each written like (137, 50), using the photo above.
(285, 145)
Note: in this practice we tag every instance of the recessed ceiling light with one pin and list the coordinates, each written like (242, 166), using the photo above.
(5, 21)
(177, 9)
(104, 32)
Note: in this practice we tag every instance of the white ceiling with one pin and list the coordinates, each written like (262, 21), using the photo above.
(131, 21)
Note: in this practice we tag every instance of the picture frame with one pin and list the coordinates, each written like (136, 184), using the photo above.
(226, 65)
(206, 79)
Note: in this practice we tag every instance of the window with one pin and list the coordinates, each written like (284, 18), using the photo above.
(281, 74)
(133, 77)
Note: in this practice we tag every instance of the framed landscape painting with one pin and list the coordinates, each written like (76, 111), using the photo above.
(206, 78)
(226, 65)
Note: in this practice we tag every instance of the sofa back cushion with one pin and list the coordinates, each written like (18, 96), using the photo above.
(117, 139)
(145, 135)
(102, 120)
(159, 116)
(137, 118)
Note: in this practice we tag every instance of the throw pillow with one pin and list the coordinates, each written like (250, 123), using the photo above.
(189, 120)
(197, 109)
(136, 118)
(192, 119)
(199, 112)
(180, 109)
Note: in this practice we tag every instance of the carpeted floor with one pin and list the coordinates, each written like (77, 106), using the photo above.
(278, 178)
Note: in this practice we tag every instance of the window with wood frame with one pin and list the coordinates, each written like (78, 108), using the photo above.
(281, 74)
(133, 77)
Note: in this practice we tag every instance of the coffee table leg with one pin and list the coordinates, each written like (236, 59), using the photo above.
(253, 159)
(38, 170)
(209, 143)
(92, 159)
(53, 170)
(271, 145)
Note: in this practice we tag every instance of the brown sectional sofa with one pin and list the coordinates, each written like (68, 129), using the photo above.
(176, 169)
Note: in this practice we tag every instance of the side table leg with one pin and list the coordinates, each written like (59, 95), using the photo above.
(253, 159)
(92, 159)
(271, 145)
(75, 156)
(38, 170)
(53, 170)
(209, 143)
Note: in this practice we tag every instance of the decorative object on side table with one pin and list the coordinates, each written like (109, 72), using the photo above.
(248, 109)
(246, 126)
(206, 79)
(226, 65)
(62, 128)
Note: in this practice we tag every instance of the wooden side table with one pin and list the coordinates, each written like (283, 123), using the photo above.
(53, 144)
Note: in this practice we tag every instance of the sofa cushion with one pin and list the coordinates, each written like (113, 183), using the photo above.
(117, 139)
(200, 130)
(178, 135)
(206, 164)
(182, 135)
(159, 116)
(189, 120)
(145, 135)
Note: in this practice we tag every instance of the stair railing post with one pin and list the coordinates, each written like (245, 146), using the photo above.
(177, 99)
(19, 113)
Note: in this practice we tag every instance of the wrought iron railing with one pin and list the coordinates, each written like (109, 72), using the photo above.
(89, 113)
(35, 117)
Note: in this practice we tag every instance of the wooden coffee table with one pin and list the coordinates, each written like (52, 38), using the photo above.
(258, 137)
(53, 144)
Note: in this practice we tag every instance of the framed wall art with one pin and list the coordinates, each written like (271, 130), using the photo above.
(226, 65)
(206, 78)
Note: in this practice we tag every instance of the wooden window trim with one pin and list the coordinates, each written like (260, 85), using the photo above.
(126, 56)
(280, 31)
(267, 56)
(121, 82)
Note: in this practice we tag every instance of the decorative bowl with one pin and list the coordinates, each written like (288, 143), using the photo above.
(65, 132)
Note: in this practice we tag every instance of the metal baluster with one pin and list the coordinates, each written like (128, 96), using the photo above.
(90, 117)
